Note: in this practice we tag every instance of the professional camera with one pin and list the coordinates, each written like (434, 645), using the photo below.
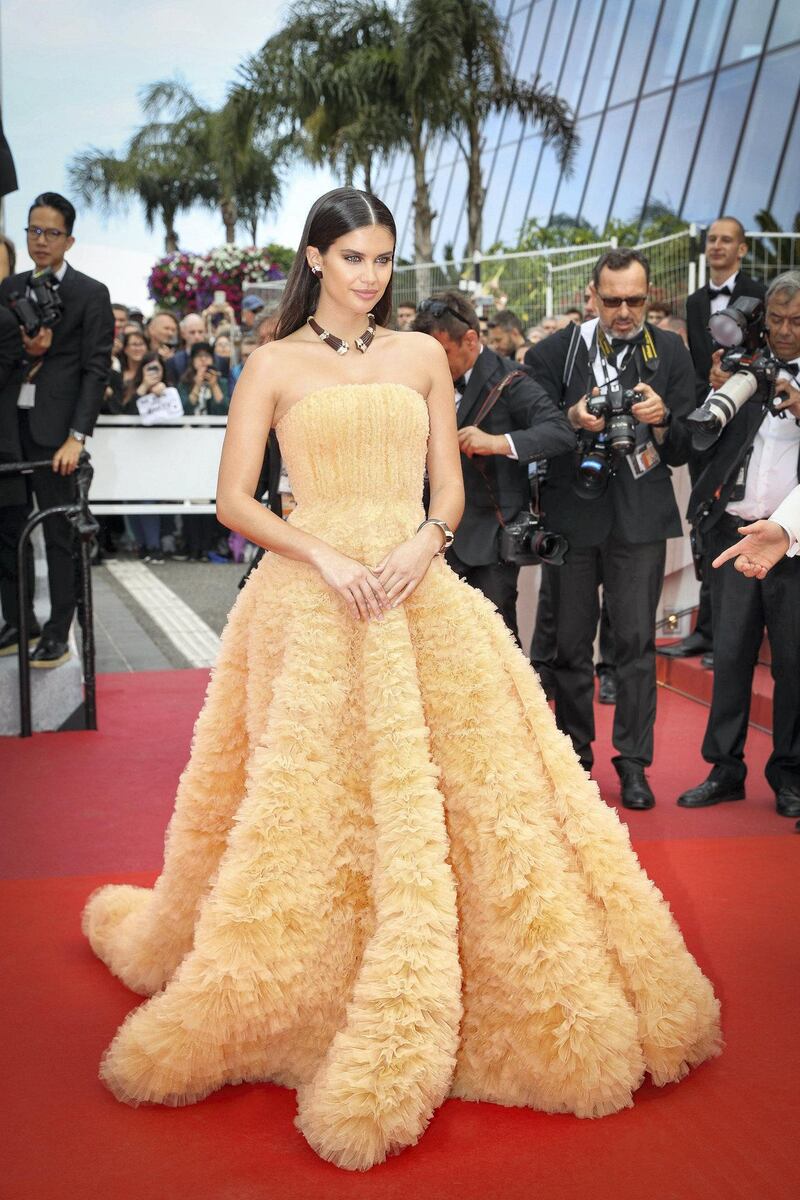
(41, 306)
(601, 454)
(524, 541)
(739, 329)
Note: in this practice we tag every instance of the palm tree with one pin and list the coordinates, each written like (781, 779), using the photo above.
(151, 169)
(474, 72)
(239, 172)
(328, 81)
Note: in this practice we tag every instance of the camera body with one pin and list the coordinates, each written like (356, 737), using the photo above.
(753, 368)
(600, 456)
(40, 307)
(525, 541)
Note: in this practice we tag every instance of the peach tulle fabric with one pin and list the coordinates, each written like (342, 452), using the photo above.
(387, 879)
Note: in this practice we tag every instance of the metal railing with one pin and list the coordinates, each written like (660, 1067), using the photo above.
(85, 526)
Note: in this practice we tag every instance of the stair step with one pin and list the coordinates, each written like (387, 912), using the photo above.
(688, 677)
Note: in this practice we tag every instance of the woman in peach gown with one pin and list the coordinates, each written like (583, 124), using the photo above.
(387, 879)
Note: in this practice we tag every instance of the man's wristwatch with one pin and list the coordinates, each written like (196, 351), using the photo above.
(446, 530)
(79, 437)
(665, 421)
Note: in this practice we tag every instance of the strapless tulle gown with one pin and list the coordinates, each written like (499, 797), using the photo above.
(387, 879)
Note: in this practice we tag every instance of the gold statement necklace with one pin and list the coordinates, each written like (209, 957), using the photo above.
(338, 344)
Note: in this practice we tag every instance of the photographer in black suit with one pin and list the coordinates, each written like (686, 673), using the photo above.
(51, 402)
(725, 248)
(522, 427)
(619, 534)
(749, 471)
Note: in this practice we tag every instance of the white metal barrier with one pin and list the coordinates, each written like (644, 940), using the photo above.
(169, 468)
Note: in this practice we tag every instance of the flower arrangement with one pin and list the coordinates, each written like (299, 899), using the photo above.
(187, 282)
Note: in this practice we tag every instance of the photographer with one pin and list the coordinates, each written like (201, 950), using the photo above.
(56, 390)
(521, 427)
(751, 467)
(617, 523)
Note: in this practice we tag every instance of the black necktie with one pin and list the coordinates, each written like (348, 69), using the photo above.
(723, 291)
(460, 384)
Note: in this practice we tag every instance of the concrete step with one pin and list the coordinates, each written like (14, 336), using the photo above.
(690, 678)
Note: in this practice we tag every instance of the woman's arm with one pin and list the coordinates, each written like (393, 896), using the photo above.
(249, 422)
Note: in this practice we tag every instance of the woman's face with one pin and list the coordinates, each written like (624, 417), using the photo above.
(202, 361)
(152, 373)
(356, 268)
(222, 347)
(136, 348)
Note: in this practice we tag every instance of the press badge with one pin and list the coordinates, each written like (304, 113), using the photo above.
(643, 459)
(27, 395)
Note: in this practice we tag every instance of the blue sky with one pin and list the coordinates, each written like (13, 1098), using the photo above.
(71, 75)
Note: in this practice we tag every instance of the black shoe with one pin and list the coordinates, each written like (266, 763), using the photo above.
(690, 646)
(607, 692)
(707, 661)
(9, 638)
(712, 791)
(636, 791)
(49, 653)
(787, 802)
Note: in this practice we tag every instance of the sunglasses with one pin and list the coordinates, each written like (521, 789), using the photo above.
(437, 308)
(618, 301)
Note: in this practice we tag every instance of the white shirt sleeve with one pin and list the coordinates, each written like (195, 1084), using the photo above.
(787, 515)
(512, 450)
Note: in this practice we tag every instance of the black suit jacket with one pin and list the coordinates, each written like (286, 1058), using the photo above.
(12, 488)
(74, 373)
(698, 312)
(538, 429)
(636, 510)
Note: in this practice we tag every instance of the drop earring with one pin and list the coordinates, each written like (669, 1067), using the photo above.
(316, 272)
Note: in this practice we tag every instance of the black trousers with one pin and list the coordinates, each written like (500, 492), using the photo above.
(543, 642)
(743, 608)
(632, 577)
(497, 581)
(704, 624)
(49, 489)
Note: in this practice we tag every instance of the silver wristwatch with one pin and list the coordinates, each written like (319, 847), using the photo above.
(79, 437)
(446, 530)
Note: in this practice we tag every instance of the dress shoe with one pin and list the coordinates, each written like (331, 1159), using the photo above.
(9, 638)
(707, 660)
(49, 653)
(635, 790)
(607, 692)
(692, 645)
(712, 791)
(787, 802)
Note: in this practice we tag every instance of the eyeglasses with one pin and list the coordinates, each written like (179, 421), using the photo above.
(50, 235)
(437, 308)
(618, 301)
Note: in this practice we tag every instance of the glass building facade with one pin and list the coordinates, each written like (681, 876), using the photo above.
(694, 104)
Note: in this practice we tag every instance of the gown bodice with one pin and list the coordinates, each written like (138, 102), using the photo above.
(355, 456)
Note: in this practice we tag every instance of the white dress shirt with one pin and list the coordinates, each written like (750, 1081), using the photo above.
(720, 302)
(772, 472)
(787, 514)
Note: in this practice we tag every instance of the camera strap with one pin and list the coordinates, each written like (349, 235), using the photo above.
(487, 406)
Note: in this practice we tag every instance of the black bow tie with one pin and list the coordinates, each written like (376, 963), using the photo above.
(792, 367)
(460, 384)
(620, 344)
(723, 291)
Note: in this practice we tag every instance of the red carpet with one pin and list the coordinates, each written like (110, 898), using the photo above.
(725, 1133)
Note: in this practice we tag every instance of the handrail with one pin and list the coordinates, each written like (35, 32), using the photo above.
(85, 525)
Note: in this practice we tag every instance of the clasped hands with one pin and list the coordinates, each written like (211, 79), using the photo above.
(369, 592)
(650, 410)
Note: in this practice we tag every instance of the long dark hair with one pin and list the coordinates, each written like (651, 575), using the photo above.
(331, 217)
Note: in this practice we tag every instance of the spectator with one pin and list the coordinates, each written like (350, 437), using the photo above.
(406, 311)
(136, 314)
(522, 427)
(535, 335)
(163, 334)
(520, 352)
(484, 330)
(8, 257)
(203, 393)
(252, 311)
(192, 330)
(589, 310)
(658, 312)
(505, 333)
(222, 354)
(676, 325)
(249, 343)
(573, 314)
(618, 536)
(146, 527)
(549, 325)
(132, 354)
(120, 312)
(265, 330)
